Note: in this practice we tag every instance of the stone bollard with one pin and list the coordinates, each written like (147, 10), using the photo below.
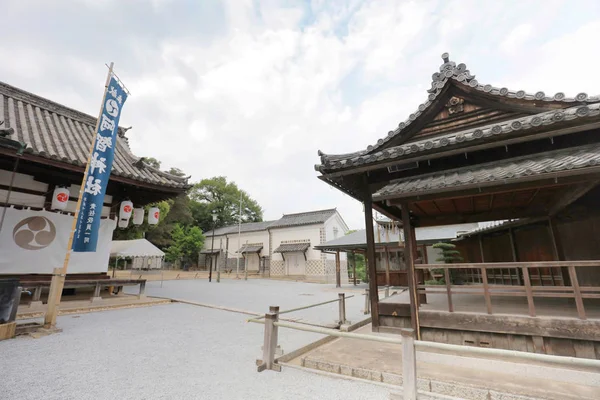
(367, 309)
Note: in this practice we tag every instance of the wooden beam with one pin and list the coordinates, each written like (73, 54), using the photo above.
(495, 215)
(410, 266)
(421, 210)
(387, 267)
(530, 182)
(371, 263)
(436, 206)
(570, 197)
(566, 328)
(491, 206)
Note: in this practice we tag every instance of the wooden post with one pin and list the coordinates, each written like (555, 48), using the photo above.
(342, 308)
(513, 247)
(481, 253)
(367, 309)
(577, 292)
(56, 292)
(409, 365)
(529, 292)
(354, 266)
(419, 273)
(559, 253)
(448, 289)
(387, 266)
(486, 290)
(270, 341)
(410, 265)
(142, 293)
(387, 291)
(53, 297)
(338, 278)
(372, 263)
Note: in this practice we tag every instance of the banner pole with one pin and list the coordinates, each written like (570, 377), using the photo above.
(58, 282)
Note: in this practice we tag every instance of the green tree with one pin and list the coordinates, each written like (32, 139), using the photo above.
(186, 244)
(448, 255)
(176, 172)
(179, 213)
(153, 162)
(216, 194)
(360, 262)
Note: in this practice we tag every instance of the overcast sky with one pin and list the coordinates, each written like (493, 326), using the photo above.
(252, 89)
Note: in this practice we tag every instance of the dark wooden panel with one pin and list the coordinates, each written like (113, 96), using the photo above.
(394, 309)
(566, 328)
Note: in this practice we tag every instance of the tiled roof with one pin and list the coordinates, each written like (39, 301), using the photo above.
(247, 227)
(306, 218)
(209, 251)
(461, 139)
(53, 131)
(540, 164)
(292, 248)
(251, 248)
(449, 71)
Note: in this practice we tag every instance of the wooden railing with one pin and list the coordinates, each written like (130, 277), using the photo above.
(528, 290)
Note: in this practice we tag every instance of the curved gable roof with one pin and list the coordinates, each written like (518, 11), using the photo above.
(452, 77)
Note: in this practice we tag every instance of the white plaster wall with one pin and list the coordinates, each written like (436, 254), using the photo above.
(310, 232)
(335, 221)
(22, 181)
(250, 237)
(432, 255)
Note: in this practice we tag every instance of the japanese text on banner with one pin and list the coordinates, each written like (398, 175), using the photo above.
(100, 165)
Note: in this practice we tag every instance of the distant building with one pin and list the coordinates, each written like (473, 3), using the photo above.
(389, 247)
(284, 247)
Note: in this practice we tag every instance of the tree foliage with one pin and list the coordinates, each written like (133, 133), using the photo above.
(186, 244)
(179, 213)
(137, 232)
(449, 253)
(153, 162)
(218, 195)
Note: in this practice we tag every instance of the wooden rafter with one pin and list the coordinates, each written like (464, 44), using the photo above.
(565, 199)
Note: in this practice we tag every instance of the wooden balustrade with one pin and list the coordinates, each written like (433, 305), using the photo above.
(526, 289)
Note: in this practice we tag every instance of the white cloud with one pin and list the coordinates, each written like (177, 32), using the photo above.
(256, 95)
(516, 39)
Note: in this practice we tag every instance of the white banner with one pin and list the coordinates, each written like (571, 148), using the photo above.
(35, 242)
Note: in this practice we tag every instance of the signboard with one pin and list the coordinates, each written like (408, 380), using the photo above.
(34, 242)
(100, 164)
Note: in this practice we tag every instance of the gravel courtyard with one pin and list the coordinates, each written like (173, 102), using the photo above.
(178, 350)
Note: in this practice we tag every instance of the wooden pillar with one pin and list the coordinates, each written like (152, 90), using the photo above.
(354, 267)
(558, 250)
(513, 247)
(409, 252)
(371, 262)
(387, 267)
(419, 273)
(338, 278)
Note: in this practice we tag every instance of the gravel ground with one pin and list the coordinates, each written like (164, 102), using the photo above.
(175, 351)
(256, 295)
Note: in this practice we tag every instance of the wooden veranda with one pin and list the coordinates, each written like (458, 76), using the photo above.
(474, 153)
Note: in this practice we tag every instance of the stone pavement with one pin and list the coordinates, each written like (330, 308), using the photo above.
(173, 351)
(471, 377)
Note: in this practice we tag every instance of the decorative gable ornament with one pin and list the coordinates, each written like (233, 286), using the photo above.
(138, 216)
(455, 105)
(153, 215)
(60, 198)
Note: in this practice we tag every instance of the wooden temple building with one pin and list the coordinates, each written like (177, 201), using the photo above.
(43, 146)
(471, 153)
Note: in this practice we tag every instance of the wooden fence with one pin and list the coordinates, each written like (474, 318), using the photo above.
(525, 289)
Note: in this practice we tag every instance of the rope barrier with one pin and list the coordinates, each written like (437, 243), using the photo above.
(259, 317)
